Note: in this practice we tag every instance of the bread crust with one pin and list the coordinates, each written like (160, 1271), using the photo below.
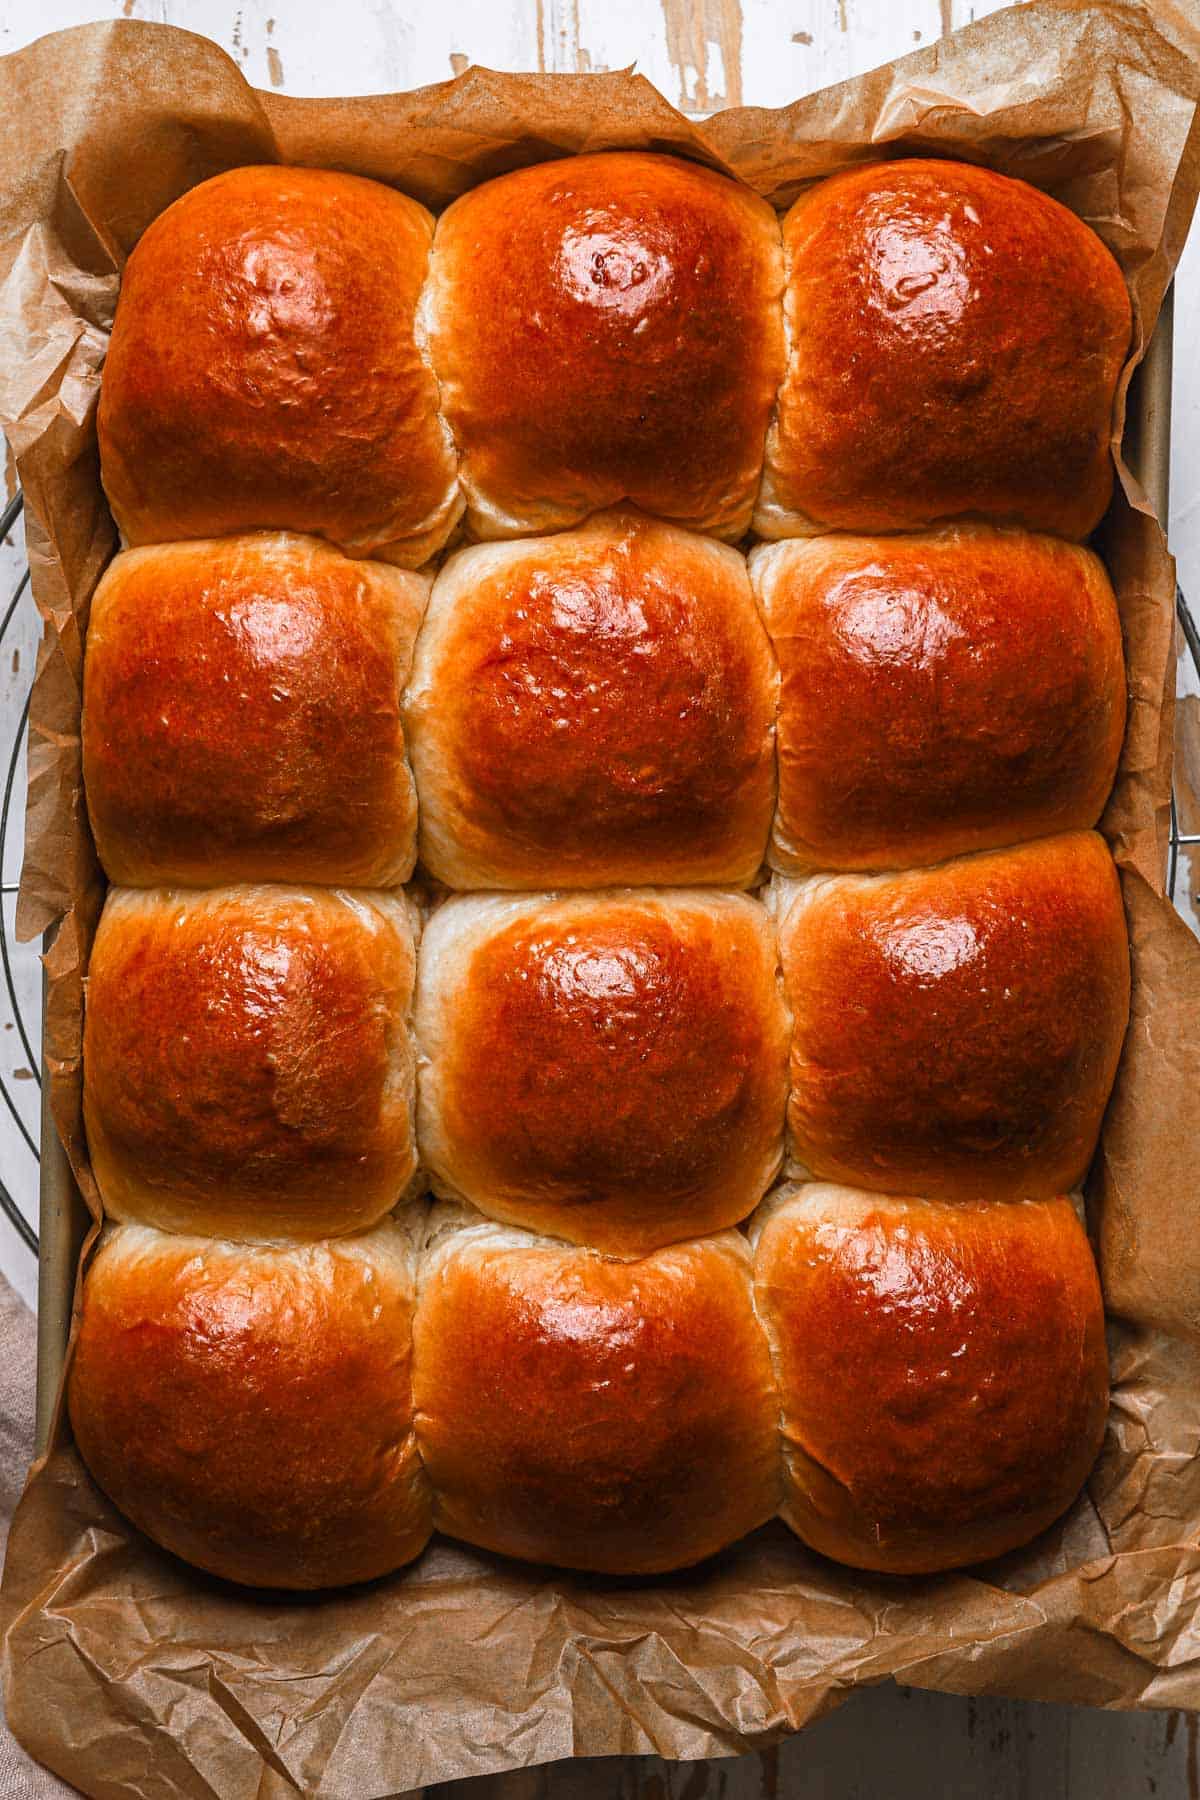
(942, 1371)
(594, 709)
(250, 1407)
(956, 1030)
(589, 1412)
(954, 342)
(940, 692)
(248, 1064)
(606, 328)
(608, 1067)
(265, 370)
(241, 715)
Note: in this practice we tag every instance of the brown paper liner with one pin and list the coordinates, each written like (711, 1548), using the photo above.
(130, 1674)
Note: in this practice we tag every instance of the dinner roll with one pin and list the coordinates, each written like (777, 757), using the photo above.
(608, 1067)
(957, 1029)
(250, 1408)
(587, 1412)
(943, 692)
(954, 341)
(605, 328)
(942, 1371)
(594, 708)
(248, 1069)
(241, 715)
(264, 370)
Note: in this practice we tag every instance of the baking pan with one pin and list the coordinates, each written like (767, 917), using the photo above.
(62, 1226)
(63, 1214)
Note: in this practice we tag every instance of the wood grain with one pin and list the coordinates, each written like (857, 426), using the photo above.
(892, 1743)
(704, 44)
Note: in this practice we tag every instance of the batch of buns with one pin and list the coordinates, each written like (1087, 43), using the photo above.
(609, 982)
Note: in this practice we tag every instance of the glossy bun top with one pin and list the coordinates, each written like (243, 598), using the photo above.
(248, 1068)
(593, 709)
(264, 370)
(956, 1030)
(609, 1067)
(955, 338)
(607, 328)
(943, 1374)
(941, 692)
(241, 714)
(250, 1408)
(591, 1413)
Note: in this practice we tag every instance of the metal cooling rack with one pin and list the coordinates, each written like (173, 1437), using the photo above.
(20, 991)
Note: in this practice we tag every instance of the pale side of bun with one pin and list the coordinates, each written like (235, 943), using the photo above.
(594, 709)
(956, 1030)
(589, 1412)
(609, 1067)
(941, 692)
(248, 1061)
(241, 714)
(942, 1371)
(954, 342)
(606, 328)
(265, 370)
(250, 1407)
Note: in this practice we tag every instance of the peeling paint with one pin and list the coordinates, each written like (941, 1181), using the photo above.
(704, 44)
(558, 39)
(459, 63)
(558, 34)
(274, 66)
(945, 16)
(802, 37)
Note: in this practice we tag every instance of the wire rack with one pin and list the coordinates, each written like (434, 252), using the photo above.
(20, 996)
(19, 1008)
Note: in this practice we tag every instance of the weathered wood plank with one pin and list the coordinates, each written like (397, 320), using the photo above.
(898, 1744)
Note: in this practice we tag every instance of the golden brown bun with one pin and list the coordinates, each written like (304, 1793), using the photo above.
(593, 709)
(955, 338)
(956, 1030)
(942, 1371)
(264, 370)
(607, 328)
(608, 1067)
(940, 693)
(595, 1414)
(241, 715)
(250, 1409)
(248, 1068)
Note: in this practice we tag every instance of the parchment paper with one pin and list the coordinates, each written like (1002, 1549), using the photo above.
(133, 1676)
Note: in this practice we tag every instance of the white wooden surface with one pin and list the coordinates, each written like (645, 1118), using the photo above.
(703, 54)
